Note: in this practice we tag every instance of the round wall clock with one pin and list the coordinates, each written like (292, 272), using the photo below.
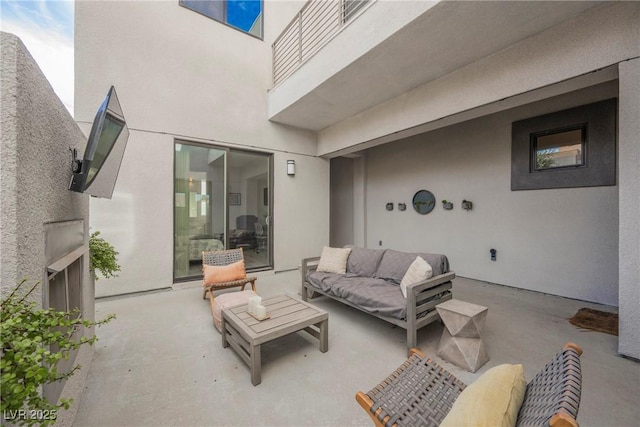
(424, 201)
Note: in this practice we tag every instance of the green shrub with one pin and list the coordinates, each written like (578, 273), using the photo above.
(102, 256)
(33, 341)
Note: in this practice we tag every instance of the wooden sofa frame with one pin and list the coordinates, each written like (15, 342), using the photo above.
(417, 296)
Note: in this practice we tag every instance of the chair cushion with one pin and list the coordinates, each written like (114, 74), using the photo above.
(333, 260)
(223, 273)
(493, 400)
(228, 300)
(363, 262)
(418, 271)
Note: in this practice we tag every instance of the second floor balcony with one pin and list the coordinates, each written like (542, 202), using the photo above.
(338, 58)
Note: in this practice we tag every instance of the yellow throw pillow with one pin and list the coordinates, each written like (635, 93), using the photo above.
(493, 400)
(224, 273)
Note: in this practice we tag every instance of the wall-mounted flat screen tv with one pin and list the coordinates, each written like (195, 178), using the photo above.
(98, 171)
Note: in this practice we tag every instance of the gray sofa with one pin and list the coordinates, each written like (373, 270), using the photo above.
(372, 284)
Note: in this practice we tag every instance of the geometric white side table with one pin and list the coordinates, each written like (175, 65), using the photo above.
(461, 342)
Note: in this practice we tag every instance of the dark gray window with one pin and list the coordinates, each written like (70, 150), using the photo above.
(564, 148)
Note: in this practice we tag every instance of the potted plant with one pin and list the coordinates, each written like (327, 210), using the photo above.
(447, 205)
(102, 257)
(467, 205)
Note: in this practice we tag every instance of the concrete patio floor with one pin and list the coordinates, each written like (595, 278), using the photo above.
(161, 362)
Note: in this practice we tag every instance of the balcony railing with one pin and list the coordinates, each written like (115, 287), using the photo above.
(317, 22)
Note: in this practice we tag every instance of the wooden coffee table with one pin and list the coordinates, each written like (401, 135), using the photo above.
(286, 315)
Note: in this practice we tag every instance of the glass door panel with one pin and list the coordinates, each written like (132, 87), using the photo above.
(200, 206)
(250, 207)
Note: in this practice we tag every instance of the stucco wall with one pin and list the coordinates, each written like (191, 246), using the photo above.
(561, 241)
(180, 75)
(629, 159)
(37, 132)
(596, 39)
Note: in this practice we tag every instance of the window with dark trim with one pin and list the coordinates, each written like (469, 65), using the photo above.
(559, 148)
(244, 15)
(564, 149)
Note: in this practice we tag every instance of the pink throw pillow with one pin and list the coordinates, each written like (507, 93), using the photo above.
(226, 273)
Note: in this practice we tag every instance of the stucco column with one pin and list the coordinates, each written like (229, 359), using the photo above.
(629, 206)
(360, 201)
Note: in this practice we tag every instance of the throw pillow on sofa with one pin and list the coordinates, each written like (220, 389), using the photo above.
(334, 260)
(418, 271)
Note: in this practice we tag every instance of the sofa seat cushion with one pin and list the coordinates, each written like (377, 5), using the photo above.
(373, 295)
(363, 262)
(394, 264)
(323, 281)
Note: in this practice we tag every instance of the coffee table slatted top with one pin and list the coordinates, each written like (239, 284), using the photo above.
(286, 315)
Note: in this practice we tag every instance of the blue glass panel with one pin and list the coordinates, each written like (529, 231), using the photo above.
(242, 14)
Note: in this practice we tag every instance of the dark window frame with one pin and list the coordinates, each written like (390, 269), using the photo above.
(600, 146)
(537, 135)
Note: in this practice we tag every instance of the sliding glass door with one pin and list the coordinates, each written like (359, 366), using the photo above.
(222, 200)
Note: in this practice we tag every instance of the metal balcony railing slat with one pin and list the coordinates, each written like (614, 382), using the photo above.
(317, 22)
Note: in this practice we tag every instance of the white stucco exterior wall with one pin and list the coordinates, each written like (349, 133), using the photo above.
(599, 38)
(558, 241)
(629, 176)
(180, 75)
(37, 132)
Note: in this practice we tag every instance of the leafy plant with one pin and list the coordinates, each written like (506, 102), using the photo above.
(102, 256)
(545, 159)
(33, 341)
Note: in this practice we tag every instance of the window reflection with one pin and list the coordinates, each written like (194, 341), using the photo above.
(559, 149)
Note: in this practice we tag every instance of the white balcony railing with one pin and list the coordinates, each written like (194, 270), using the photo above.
(317, 22)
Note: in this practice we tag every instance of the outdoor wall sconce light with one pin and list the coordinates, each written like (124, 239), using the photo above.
(291, 167)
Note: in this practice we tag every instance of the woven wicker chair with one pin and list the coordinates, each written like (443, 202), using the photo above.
(220, 258)
(421, 393)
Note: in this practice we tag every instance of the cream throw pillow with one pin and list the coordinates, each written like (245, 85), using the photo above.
(493, 400)
(334, 260)
(418, 271)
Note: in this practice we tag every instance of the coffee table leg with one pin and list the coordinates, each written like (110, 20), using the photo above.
(223, 330)
(256, 365)
(324, 336)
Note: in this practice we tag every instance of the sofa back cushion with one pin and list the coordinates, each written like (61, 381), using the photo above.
(363, 262)
(394, 264)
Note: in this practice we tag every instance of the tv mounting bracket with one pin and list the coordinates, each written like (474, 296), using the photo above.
(76, 164)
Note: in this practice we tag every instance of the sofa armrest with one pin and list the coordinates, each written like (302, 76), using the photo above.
(416, 288)
(308, 264)
(414, 309)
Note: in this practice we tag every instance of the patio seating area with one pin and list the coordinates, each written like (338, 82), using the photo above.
(161, 362)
